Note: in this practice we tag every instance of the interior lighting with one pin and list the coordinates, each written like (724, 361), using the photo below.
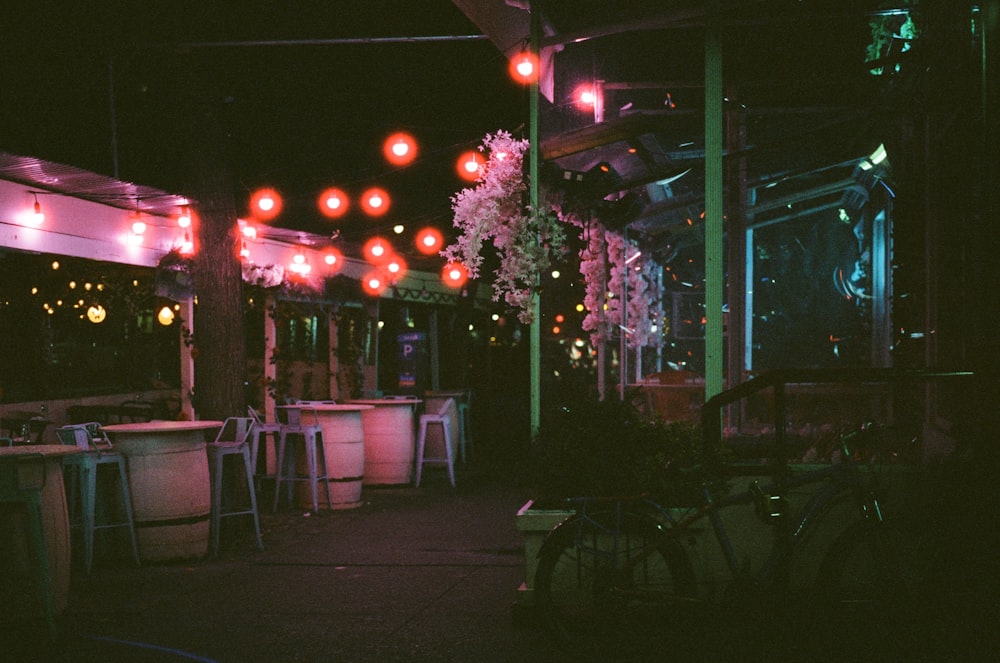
(375, 202)
(469, 164)
(524, 68)
(184, 219)
(166, 316)
(138, 227)
(429, 241)
(96, 314)
(333, 203)
(248, 229)
(454, 275)
(244, 251)
(400, 149)
(187, 246)
(265, 204)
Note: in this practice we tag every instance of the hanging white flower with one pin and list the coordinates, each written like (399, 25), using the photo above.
(494, 211)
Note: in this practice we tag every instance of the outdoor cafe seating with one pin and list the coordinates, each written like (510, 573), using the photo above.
(233, 439)
(83, 476)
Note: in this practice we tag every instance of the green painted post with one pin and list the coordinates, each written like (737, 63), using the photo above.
(535, 332)
(713, 202)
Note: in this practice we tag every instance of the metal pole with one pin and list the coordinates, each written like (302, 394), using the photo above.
(713, 201)
(533, 150)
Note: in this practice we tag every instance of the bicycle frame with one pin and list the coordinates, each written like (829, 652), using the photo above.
(836, 481)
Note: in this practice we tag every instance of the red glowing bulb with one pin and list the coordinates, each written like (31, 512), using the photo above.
(377, 250)
(373, 283)
(265, 204)
(454, 275)
(429, 241)
(334, 259)
(375, 202)
(400, 149)
(524, 68)
(469, 164)
(333, 203)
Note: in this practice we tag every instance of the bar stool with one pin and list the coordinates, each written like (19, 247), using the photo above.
(444, 421)
(233, 439)
(97, 451)
(16, 489)
(312, 436)
(261, 429)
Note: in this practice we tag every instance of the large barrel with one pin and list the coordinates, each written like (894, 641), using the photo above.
(389, 441)
(343, 445)
(20, 594)
(171, 502)
(169, 481)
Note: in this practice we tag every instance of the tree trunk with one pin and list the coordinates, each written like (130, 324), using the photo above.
(220, 361)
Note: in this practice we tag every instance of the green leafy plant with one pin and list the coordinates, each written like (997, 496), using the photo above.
(609, 448)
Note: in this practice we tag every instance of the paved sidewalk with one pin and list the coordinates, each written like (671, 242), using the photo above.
(426, 574)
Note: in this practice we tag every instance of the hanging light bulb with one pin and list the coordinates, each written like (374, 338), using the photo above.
(468, 165)
(429, 241)
(244, 251)
(184, 219)
(37, 217)
(333, 203)
(375, 201)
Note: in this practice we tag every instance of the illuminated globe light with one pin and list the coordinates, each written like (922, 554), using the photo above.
(248, 229)
(524, 68)
(166, 316)
(395, 268)
(454, 275)
(333, 203)
(398, 229)
(469, 165)
(299, 265)
(429, 241)
(375, 202)
(377, 250)
(334, 259)
(400, 149)
(265, 204)
(138, 227)
(96, 314)
(373, 283)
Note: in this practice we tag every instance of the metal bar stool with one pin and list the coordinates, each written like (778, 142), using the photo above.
(18, 487)
(444, 421)
(96, 451)
(312, 436)
(261, 429)
(233, 439)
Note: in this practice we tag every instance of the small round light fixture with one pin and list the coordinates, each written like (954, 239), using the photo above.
(400, 149)
(166, 316)
(265, 204)
(375, 202)
(469, 165)
(429, 241)
(373, 283)
(333, 203)
(524, 68)
(454, 275)
(96, 314)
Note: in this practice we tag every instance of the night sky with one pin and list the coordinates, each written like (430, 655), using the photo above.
(294, 116)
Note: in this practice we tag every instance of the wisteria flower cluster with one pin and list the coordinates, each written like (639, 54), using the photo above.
(609, 282)
(263, 276)
(494, 211)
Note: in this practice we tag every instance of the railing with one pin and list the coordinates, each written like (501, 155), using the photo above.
(780, 379)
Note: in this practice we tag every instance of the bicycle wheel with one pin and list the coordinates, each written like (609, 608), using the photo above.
(611, 603)
(877, 569)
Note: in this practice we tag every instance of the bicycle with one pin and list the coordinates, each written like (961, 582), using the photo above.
(610, 576)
